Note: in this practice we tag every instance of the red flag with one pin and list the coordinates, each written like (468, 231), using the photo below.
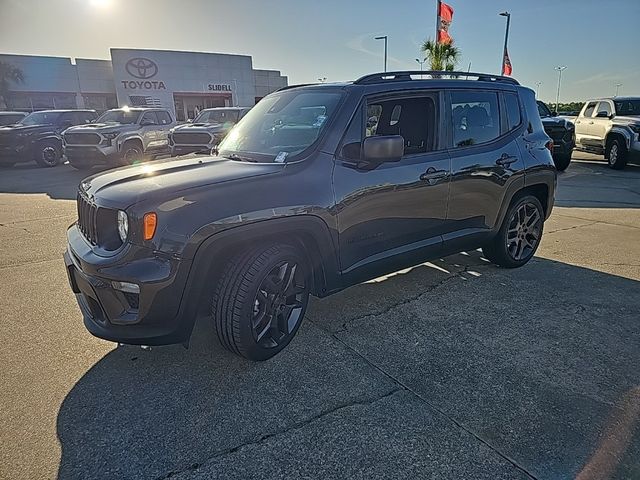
(445, 17)
(506, 64)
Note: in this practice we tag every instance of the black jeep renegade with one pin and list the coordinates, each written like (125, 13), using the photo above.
(317, 188)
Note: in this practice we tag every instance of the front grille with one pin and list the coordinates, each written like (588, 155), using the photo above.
(191, 138)
(88, 219)
(556, 133)
(82, 138)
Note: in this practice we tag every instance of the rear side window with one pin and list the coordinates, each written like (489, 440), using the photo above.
(604, 107)
(475, 116)
(534, 124)
(163, 118)
(512, 106)
(590, 109)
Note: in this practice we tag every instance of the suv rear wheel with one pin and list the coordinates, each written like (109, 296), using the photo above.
(617, 156)
(520, 233)
(48, 153)
(260, 301)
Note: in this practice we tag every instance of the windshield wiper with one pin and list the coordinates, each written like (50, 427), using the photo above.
(236, 157)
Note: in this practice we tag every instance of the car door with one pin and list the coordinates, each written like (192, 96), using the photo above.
(149, 130)
(485, 160)
(584, 125)
(393, 214)
(164, 125)
(601, 122)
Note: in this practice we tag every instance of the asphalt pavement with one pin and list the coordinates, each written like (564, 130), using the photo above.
(451, 369)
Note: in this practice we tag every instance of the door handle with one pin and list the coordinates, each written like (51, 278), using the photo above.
(432, 175)
(506, 160)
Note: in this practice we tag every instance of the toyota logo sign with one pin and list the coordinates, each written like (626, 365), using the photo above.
(142, 68)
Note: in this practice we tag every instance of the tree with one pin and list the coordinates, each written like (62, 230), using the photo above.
(441, 56)
(8, 74)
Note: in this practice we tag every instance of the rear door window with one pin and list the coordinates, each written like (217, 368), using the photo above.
(512, 107)
(475, 116)
(163, 118)
(604, 107)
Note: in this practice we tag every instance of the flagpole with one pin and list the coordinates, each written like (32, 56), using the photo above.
(506, 39)
(437, 18)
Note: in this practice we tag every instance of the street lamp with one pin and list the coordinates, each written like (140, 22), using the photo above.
(384, 37)
(560, 68)
(506, 39)
(538, 89)
(618, 85)
(322, 79)
(421, 62)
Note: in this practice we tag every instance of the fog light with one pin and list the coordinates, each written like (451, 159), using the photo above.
(126, 287)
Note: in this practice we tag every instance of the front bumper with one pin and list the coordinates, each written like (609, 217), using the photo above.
(91, 154)
(152, 317)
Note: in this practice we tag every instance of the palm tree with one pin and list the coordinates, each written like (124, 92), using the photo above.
(8, 74)
(441, 56)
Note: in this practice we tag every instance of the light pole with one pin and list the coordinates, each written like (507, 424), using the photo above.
(506, 39)
(538, 89)
(421, 62)
(322, 79)
(384, 37)
(618, 85)
(560, 68)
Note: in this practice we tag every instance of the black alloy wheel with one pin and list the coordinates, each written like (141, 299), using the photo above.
(49, 154)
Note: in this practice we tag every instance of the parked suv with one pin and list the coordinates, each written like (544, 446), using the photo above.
(207, 130)
(611, 127)
(38, 136)
(305, 199)
(122, 136)
(563, 134)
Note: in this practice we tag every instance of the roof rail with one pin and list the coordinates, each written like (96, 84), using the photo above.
(434, 74)
(287, 87)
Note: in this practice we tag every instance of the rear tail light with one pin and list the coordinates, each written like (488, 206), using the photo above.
(549, 145)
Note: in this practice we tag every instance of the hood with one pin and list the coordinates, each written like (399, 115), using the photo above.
(202, 127)
(103, 128)
(123, 187)
(19, 128)
(555, 121)
(625, 120)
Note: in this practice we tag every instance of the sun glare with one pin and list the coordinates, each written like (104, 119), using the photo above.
(100, 3)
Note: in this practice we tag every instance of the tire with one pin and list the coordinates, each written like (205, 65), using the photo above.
(48, 154)
(266, 286)
(519, 235)
(562, 161)
(617, 154)
(131, 154)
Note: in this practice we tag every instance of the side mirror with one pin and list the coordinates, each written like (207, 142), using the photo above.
(389, 148)
(602, 114)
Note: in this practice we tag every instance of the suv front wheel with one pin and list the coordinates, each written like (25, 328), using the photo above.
(617, 155)
(260, 301)
(520, 234)
(48, 153)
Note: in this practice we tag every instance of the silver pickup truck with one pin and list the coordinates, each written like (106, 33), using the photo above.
(206, 131)
(610, 127)
(122, 136)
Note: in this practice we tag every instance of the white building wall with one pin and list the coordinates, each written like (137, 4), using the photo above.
(268, 81)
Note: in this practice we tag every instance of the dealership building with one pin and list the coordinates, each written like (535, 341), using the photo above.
(184, 82)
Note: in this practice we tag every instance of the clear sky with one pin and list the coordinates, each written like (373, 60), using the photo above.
(598, 40)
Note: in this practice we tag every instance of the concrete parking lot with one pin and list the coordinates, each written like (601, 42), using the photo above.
(452, 369)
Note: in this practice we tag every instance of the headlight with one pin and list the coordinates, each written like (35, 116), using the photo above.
(123, 225)
(110, 135)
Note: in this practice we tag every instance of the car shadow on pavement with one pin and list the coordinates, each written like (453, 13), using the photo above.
(533, 362)
(60, 182)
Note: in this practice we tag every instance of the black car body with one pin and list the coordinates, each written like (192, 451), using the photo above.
(306, 180)
(563, 133)
(11, 118)
(206, 131)
(38, 136)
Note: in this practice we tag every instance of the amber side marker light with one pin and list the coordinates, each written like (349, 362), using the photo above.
(149, 225)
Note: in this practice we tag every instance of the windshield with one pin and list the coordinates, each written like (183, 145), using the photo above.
(543, 110)
(217, 116)
(627, 107)
(40, 118)
(281, 125)
(119, 116)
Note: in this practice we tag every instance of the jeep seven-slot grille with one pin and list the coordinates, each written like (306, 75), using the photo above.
(88, 219)
(82, 138)
(191, 138)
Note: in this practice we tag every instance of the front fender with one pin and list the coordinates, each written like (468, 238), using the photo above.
(129, 136)
(626, 133)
